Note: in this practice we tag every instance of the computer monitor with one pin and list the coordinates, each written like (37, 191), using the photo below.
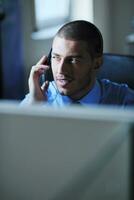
(69, 153)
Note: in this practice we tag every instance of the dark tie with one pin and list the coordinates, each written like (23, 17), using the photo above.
(76, 103)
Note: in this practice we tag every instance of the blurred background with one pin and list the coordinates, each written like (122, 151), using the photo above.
(27, 28)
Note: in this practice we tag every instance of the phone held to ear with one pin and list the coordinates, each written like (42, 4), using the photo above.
(48, 75)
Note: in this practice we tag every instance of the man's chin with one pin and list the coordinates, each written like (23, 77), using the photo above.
(64, 92)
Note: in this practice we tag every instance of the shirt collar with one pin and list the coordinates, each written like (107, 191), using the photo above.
(92, 97)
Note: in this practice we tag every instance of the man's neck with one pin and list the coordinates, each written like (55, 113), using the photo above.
(83, 92)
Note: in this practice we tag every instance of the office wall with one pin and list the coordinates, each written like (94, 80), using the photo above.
(114, 20)
(102, 18)
(122, 14)
(33, 49)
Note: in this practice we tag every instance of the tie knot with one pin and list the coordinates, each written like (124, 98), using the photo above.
(76, 102)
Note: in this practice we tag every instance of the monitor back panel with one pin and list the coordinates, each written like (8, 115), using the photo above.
(54, 158)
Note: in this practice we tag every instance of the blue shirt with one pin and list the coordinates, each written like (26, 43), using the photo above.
(103, 92)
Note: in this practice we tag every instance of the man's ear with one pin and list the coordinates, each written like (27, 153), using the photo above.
(98, 62)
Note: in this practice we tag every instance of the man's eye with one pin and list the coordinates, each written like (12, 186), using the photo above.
(53, 57)
(74, 60)
(57, 58)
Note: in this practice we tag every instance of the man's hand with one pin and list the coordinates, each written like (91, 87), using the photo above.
(37, 93)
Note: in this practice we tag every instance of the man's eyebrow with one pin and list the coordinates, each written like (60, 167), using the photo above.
(55, 54)
(70, 56)
(75, 56)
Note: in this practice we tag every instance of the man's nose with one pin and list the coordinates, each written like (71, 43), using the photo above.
(62, 66)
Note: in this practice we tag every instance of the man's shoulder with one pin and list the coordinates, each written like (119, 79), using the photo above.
(118, 93)
(114, 86)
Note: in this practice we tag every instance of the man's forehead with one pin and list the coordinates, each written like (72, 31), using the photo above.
(59, 38)
(61, 42)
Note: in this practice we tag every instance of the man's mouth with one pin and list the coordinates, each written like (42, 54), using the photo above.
(63, 81)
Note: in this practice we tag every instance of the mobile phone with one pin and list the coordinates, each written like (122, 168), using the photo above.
(48, 74)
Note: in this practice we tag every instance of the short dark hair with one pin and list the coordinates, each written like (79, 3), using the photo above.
(84, 31)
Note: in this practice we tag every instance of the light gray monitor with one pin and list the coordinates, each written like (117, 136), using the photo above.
(69, 153)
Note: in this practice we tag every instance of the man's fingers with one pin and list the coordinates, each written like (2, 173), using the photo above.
(45, 85)
(44, 88)
(39, 69)
(43, 60)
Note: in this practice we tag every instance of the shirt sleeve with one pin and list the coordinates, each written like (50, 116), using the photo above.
(26, 100)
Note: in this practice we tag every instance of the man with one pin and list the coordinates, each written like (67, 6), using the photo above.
(76, 56)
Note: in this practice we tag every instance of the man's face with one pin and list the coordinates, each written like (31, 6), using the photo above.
(72, 66)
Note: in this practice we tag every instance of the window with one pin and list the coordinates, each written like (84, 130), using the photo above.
(50, 13)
